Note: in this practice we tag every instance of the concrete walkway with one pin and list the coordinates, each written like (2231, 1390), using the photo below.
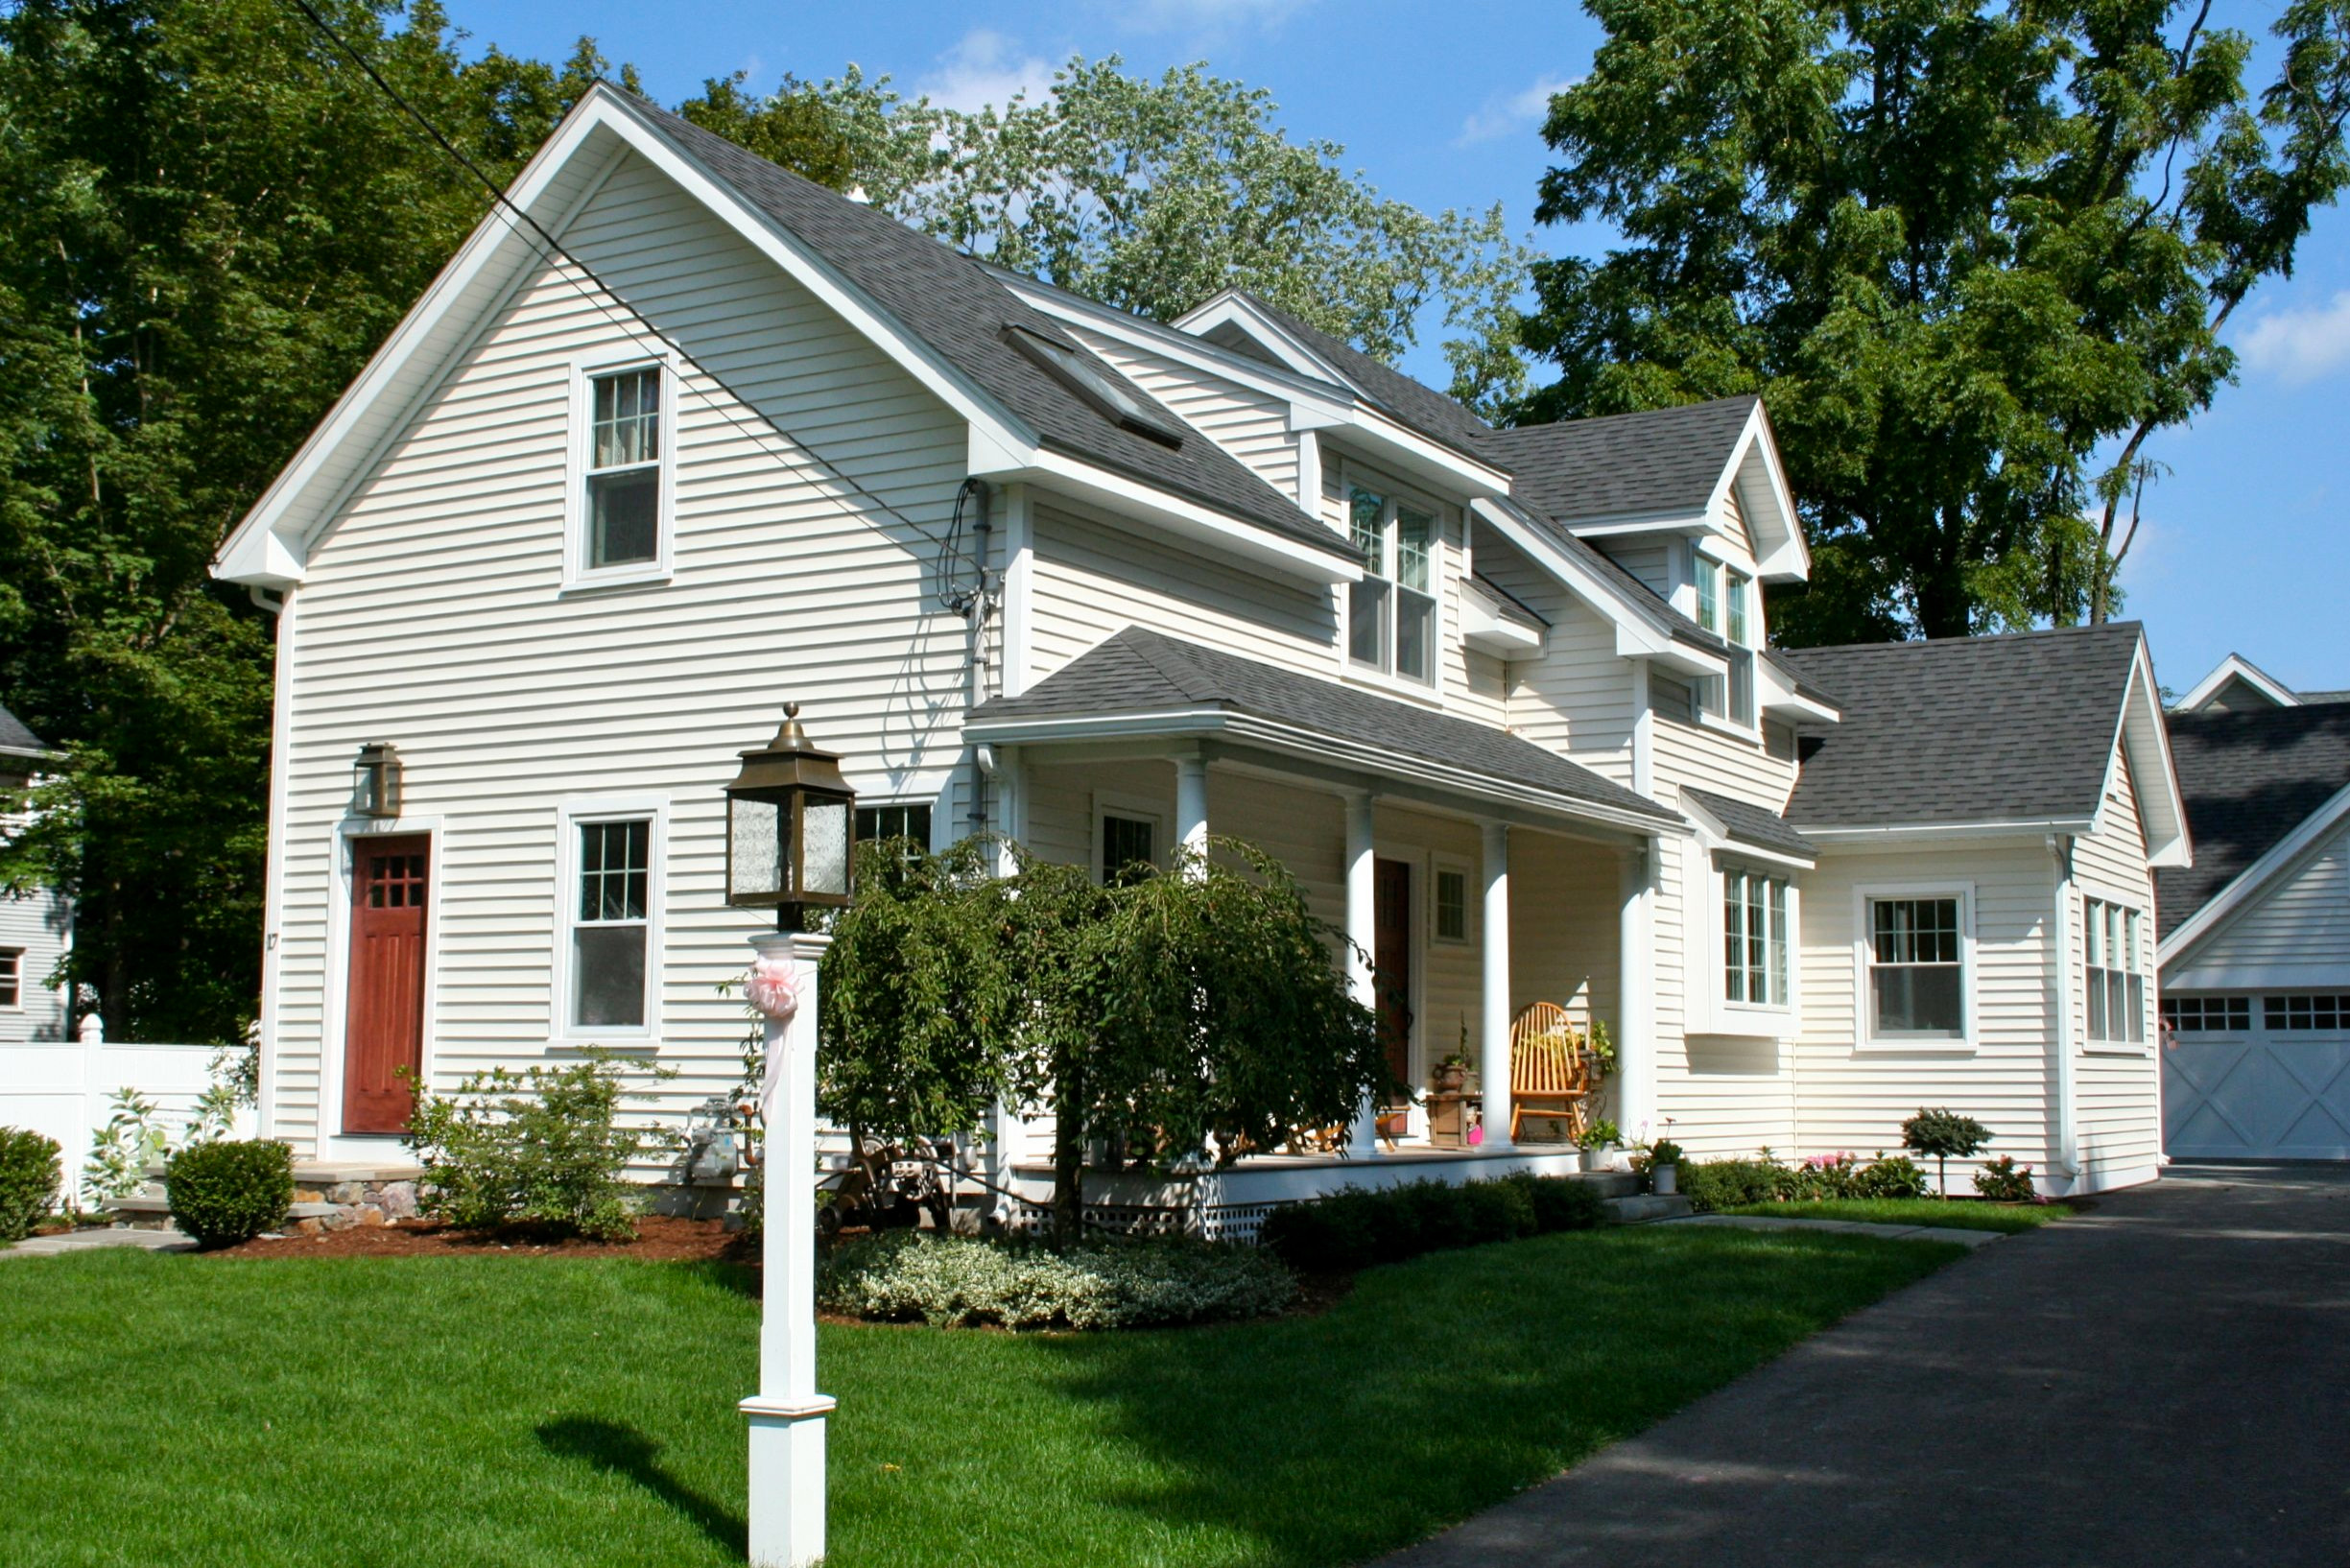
(2165, 1380)
(96, 1238)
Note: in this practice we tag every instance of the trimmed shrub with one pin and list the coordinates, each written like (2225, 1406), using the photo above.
(1715, 1184)
(950, 1281)
(29, 1176)
(1357, 1229)
(226, 1193)
(1894, 1175)
(1722, 1184)
(2004, 1182)
(539, 1148)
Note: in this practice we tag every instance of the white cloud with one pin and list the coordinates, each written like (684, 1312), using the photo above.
(985, 69)
(1505, 113)
(2297, 346)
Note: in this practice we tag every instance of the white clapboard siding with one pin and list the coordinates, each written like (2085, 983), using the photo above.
(1855, 1097)
(433, 617)
(37, 928)
(2117, 1090)
(1650, 560)
(2296, 932)
(1252, 425)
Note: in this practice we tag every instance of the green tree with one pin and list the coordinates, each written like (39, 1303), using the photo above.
(1974, 258)
(208, 220)
(1156, 195)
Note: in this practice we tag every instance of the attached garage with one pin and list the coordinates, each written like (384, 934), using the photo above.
(2256, 1077)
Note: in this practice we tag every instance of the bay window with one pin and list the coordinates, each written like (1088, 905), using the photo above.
(1392, 612)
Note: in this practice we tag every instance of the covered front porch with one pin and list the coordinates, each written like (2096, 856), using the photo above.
(1471, 875)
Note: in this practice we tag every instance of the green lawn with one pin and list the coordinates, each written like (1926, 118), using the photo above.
(543, 1411)
(1957, 1213)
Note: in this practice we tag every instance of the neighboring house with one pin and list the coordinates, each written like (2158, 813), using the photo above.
(1501, 699)
(2256, 935)
(35, 927)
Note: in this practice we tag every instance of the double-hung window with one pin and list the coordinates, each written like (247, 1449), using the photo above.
(1392, 612)
(1916, 967)
(2117, 973)
(11, 977)
(1726, 608)
(908, 821)
(1130, 848)
(1754, 929)
(1449, 910)
(621, 482)
(611, 918)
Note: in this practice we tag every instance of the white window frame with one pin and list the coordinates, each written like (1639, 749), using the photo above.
(1135, 808)
(570, 817)
(585, 371)
(1864, 1005)
(12, 960)
(1442, 866)
(1714, 693)
(2093, 944)
(1792, 937)
(1384, 675)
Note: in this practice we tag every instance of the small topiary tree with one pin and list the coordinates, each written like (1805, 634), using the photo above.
(1942, 1134)
(228, 1191)
(29, 1176)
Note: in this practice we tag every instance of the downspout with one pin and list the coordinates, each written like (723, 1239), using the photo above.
(975, 609)
(2063, 1156)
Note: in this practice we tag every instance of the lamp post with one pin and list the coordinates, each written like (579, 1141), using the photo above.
(790, 829)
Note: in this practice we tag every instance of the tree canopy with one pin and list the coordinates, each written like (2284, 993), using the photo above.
(1976, 258)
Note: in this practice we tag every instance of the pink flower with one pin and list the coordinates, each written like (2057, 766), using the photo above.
(773, 987)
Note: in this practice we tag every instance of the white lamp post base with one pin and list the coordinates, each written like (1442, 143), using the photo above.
(787, 1481)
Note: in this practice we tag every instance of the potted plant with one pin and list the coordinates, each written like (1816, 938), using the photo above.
(1664, 1167)
(1597, 1141)
(1451, 1075)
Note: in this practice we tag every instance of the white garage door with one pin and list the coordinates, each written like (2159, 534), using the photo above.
(2256, 1077)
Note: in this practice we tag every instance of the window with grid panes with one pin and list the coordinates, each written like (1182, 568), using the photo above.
(1392, 612)
(11, 977)
(1754, 938)
(2207, 1015)
(2296, 1012)
(1916, 969)
(624, 468)
(610, 924)
(910, 821)
(1128, 848)
(2116, 973)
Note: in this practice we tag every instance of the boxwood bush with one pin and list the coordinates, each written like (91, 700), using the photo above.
(28, 1175)
(230, 1192)
(1714, 1185)
(1359, 1228)
(950, 1281)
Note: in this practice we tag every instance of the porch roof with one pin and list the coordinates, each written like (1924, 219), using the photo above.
(1140, 683)
(1744, 822)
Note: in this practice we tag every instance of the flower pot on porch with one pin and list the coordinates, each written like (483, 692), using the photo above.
(1665, 1180)
(1596, 1159)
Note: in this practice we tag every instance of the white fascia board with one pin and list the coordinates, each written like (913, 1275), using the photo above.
(2236, 667)
(299, 502)
(1789, 557)
(1932, 833)
(1637, 636)
(1398, 445)
(1230, 308)
(1493, 628)
(2254, 878)
(2140, 733)
(1186, 519)
(1312, 744)
(1617, 525)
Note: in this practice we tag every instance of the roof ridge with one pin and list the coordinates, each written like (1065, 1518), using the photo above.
(1587, 420)
(1169, 656)
(1971, 639)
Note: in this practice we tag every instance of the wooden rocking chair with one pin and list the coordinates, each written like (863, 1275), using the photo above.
(1550, 1073)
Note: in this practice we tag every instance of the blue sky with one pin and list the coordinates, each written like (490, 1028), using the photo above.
(1441, 105)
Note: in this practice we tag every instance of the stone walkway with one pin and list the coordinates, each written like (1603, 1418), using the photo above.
(1851, 1228)
(94, 1239)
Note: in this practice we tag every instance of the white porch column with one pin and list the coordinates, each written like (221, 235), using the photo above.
(1361, 937)
(1192, 804)
(787, 1414)
(1636, 1005)
(1493, 1056)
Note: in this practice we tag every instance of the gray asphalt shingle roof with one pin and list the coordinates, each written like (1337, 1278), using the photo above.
(14, 737)
(2249, 778)
(1965, 730)
(1664, 461)
(1139, 672)
(950, 303)
(1747, 824)
(1423, 408)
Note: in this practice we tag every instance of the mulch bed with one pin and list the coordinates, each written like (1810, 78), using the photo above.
(660, 1239)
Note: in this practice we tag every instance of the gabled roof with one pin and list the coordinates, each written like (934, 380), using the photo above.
(1423, 408)
(17, 741)
(2235, 670)
(1742, 821)
(2013, 732)
(1659, 462)
(1144, 683)
(2250, 779)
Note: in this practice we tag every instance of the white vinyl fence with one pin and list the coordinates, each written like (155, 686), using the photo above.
(65, 1092)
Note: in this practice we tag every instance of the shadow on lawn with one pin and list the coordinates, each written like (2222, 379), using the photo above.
(1443, 1385)
(624, 1451)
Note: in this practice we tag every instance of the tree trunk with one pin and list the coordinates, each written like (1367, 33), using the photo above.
(1068, 1154)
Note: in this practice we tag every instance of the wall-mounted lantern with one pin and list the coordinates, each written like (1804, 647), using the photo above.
(375, 781)
(790, 821)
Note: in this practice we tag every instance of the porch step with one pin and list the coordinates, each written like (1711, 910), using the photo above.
(152, 1211)
(1640, 1208)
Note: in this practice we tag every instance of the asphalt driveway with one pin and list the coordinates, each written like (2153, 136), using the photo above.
(2165, 1380)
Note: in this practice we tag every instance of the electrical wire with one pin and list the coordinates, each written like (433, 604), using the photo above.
(549, 250)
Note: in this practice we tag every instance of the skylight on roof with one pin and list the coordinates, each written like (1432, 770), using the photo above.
(1110, 397)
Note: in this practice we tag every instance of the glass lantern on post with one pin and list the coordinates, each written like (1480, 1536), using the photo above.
(790, 821)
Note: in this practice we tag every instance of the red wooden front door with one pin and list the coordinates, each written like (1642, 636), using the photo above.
(1391, 960)
(383, 1026)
